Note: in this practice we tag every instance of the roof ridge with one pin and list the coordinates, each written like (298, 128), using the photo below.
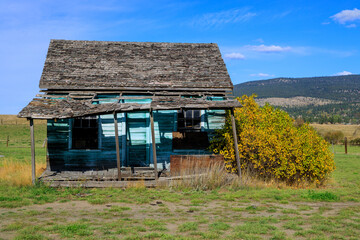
(135, 42)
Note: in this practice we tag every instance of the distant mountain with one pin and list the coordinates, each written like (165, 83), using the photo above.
(334, 99)
(337, 88)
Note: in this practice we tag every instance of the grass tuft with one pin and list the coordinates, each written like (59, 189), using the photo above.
(322, 196)
(188, 226)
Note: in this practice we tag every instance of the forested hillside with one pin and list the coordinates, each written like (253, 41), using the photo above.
(334, 99)
(339, 88)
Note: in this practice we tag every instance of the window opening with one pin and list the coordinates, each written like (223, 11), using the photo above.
(85, 133)
(189, 121)
(189, 135)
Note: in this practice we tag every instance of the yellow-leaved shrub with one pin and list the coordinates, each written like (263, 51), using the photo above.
(272, 147)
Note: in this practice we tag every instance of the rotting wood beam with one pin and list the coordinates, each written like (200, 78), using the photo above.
(142, 88)
(235, 143)
(153, 143)
(33, 167)
(150, 92)
(118, 160)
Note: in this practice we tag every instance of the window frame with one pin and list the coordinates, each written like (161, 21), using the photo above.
(98, 126)
(192, 127)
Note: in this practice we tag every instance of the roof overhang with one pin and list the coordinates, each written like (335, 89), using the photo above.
(70, 108)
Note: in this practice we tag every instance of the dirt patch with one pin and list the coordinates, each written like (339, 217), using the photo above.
(170, 214)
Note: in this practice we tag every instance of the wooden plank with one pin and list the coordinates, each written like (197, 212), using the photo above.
(99, 184)
(235, 143)
(153, 143)
(209, 89)
(32, 137)
(118, 161)
(61, 108)
(47, 93)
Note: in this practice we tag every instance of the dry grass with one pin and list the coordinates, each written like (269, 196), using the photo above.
(349, 131)
(136, 184)
(18, 173)
(14, 120)
(216, 177)
(294, 101)
(205, 178)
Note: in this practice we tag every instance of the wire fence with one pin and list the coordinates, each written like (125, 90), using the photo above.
(21, 143)
(13, 120)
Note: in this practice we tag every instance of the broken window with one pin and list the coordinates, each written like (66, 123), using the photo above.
(85, 133)
(189, 135)
(189, 121)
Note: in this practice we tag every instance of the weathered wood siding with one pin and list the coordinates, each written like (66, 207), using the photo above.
(58, 143)
(213, 119)
(134, 139)
(165, 123)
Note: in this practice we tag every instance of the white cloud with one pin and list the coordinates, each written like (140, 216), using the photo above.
(279, 52)
(261, 75)
(282, 14)
(353, 25)
(224, 17)
(268, 49)
(343, 73)
(234, 55)
(346, 16)
(259, 40)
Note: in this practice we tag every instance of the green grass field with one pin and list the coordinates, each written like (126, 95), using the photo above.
(248, 212)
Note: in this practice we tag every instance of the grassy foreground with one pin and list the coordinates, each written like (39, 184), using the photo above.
(254, 211)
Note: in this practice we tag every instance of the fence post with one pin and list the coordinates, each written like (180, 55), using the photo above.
(345, 145)
(7, 141)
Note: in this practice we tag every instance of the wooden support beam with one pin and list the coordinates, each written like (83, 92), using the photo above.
(153, 144)
(33, 167)
(235, 142)
(118, 161)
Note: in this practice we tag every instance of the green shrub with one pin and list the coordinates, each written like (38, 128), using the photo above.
(355, 142)
(272, 147)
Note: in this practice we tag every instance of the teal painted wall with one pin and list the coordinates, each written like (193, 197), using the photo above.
(134, 139)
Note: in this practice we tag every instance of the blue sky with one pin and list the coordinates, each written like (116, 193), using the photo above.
(259, 39)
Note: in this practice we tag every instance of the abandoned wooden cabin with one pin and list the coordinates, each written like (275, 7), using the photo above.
(118, 107)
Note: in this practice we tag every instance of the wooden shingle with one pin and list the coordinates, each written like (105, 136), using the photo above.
(83, 65)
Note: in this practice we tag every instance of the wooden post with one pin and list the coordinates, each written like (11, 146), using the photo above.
(33, 169)
(153, 143)
(7, 141)
(117, 146)
(345, 142)
(235, 142)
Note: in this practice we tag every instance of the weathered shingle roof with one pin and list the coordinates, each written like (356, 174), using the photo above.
(134, 65)
(68, 108)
